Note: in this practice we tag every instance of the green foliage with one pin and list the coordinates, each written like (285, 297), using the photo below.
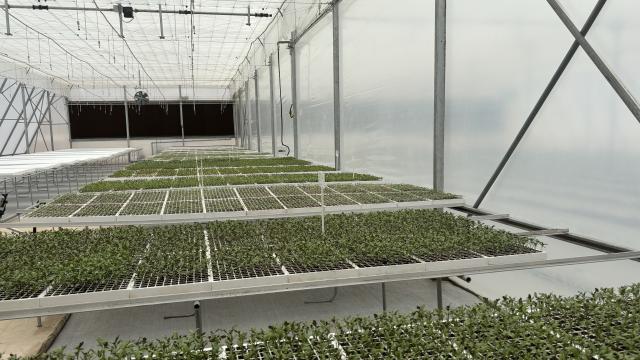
(114, 185)
(224, 162)
(540, 327)
(69, 257)
(369, 239)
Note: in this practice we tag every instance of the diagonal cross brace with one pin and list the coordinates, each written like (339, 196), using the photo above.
(43, 115)
(33, 115)
(614, 81)
(17, 121)
(543, 98)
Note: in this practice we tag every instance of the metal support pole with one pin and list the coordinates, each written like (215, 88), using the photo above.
(6, 14)
(126, 119)
(616, 84)
(161, 26)
(119, 7)
(337, 136)
(384, 297)
(439, 292)
(181, 114)
(255, 83)
(198, 316)
(247, 121)
(15, 188)
(50, 121)
(294, 96)
(26, 121)
(543, 98)
(66, 107)
(439, 93)
(271, 106)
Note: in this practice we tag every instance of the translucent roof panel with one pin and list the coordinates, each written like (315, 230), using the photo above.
(84, 49)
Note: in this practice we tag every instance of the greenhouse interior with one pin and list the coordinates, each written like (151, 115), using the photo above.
(309, 179)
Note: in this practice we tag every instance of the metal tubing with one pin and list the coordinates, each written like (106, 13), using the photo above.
(126, 117)
(543, 98)
(384, 297)
(255, 85)
(161, 26)
(66, 107)
(26, 121)
(272, 107)
(336, 87)
(614, 81)
(439, 292)
(119, 9)
(43, 113)
(294, 96)
(138, 10)
(50, 121)
(247, 121)
(439, 93)
(6, 14)
(181, 114)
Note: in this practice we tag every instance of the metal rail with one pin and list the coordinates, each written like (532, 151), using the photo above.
(279, 283)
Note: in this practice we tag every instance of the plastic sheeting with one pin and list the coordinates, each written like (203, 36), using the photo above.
(387, 88)
(264, 109)
(571, 169)
(282, 87)
(314, 61)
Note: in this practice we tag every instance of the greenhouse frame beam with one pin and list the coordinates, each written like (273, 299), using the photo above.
(257, 107)
(337, 135)
(20, 114)
(181, 115)
(50, 305)
(612, 79)
(272, 108)
(294, 95)
(439, 93)
(541, 100)
(126, 115)
(583, 241)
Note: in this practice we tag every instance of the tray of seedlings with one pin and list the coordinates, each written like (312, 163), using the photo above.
(176, 260)
(504, 329)
(62, 207)
(55, 268)
(240, 257)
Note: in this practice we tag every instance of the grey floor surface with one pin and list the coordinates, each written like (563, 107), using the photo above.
(258, 311)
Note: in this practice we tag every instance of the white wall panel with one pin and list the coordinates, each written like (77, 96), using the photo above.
(387, 88)
(315, 93)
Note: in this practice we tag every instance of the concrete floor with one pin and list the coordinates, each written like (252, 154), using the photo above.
(257, 311)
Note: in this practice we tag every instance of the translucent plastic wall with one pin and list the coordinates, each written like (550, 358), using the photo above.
(253, 116)
(314, 60)
(387, 88)
(573, 168)
(14, 138)
(264, 109)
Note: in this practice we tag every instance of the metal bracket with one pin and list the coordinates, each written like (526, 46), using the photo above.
(545, 232)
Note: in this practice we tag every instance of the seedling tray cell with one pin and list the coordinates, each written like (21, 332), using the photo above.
(334, 200)
(54, 210)
(219, 193)
(112, 198)
(366, 198)
(22, 293)
(98, 210)
(224, 205)
(265, 203)
(285, 190)
(148, 196)
(399, 196)
(222, 272)
(108, 285)
(183, 207)
(150, 280)
(149, 208)
(295, 202)
(184, 195)
(78, 199)
(166, 172)
(347, 188)
(253, 192)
